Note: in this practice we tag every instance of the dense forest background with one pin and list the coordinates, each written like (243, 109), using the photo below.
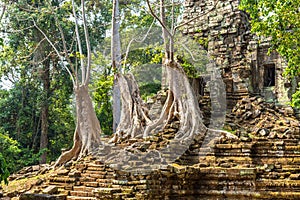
(36, 92)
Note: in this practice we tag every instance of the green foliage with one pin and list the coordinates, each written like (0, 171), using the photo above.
(148, 77)
(280, 21)
(20, 118)
(15, 156)
(28, 157)
(296, 99)
(188, 67)
(156, 54)
(102, 96)
(203, 42)
(145, 64)
(143, 55)
(20, 114)
(140, 18)
(9, 149)
(101, 87)
(149, 89)
(4, 173)
(23, 54)
(61, 116)
(18, 136)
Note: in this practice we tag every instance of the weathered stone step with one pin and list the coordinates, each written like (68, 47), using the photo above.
(104, 191)
(121, 195)
(276, 148)
(81, 194)
(64, 179)
(272, 155)
(156, 184)
(101, 175)
(274, 175)
(279, 195)
(230, 194)
(87, 179)
(283, 160)
(80, 166)
(226, 154)
(291, 169)
(236, 195)
(236, 173)
(30, 196)
(278, 185)
(102, 172)
(91, 184)
(83, 188)
(96, 168)
(80, 198)
(99, 168)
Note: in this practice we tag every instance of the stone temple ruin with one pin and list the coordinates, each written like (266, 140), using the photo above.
(262, 164)
(246, 66)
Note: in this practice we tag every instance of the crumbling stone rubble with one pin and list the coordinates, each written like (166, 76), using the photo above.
(254, 117)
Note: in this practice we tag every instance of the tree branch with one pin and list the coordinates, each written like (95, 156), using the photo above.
(37, 46)
(79, 44)
(158, 19)
(17, 31)
(41, 61)
(56, 51)
(74, 71)
(135, 40)
(169, 5)
(65, 48)
(163, 20)
(88, 45)
(190, 52)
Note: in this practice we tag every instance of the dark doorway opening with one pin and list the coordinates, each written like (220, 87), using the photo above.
(269, 75)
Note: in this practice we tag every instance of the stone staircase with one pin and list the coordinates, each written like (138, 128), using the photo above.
(257, 169)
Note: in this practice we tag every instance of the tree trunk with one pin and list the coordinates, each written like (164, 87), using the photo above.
(43, 67)
(87, 133)
(182, 104)
(116, 63)
(44, 134)
(134, 115)
(45, 111)
(116, 105)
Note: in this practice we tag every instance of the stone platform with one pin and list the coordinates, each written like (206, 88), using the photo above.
(259, 169)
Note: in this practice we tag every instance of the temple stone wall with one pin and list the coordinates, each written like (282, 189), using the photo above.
(243, 58)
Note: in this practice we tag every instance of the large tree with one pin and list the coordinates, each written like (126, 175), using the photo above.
(88, 130)
(68, 46)
(280, 21)
(181, 103)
